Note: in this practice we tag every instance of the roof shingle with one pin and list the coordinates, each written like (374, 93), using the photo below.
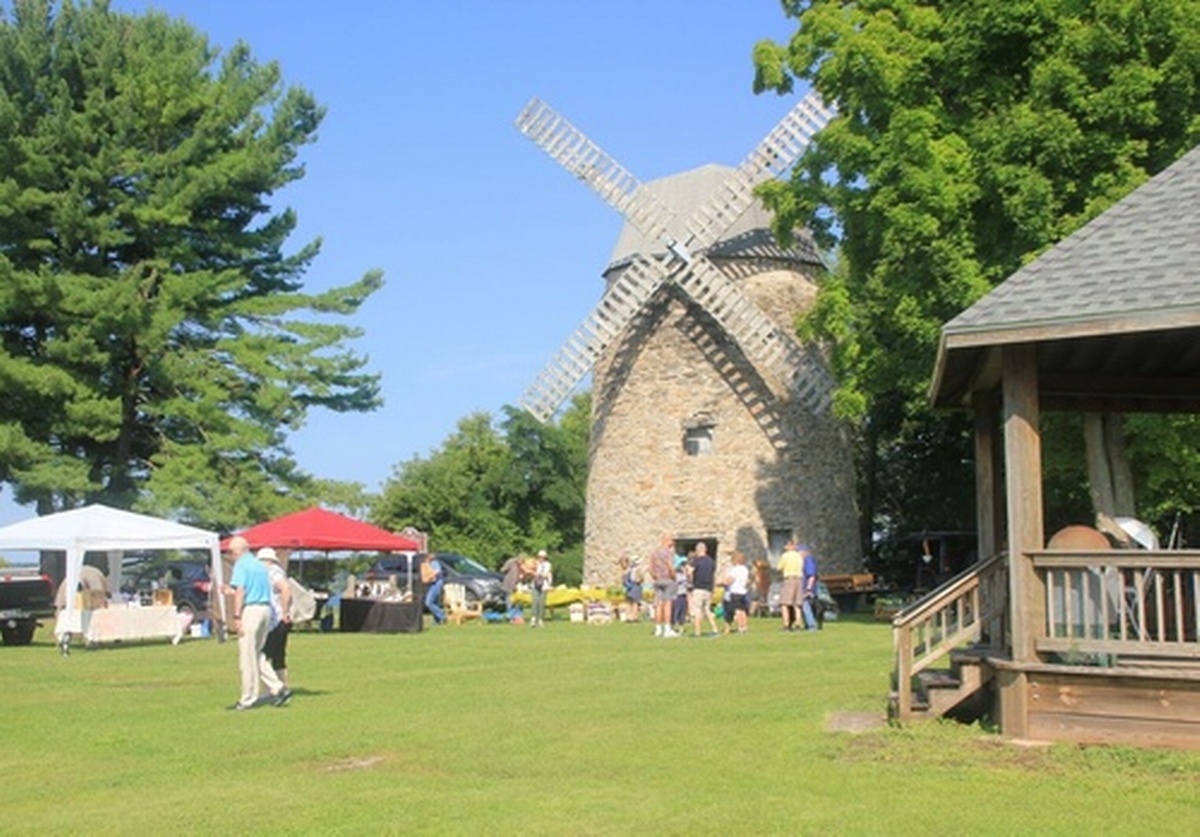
(1140, 257)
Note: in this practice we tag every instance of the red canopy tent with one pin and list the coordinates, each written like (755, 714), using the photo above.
(320, 529)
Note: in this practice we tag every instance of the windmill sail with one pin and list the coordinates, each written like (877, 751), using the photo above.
(801, 368)
(568, 146)
(770, 158)
(620, 304)
(754, 331)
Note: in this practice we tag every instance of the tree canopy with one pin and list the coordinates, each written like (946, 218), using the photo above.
(156, 345)
(970, 136)
(491, 492)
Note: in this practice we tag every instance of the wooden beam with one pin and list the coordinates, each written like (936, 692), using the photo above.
(1120, 387)
(1023, 501)
(1023, 484)
(989, 492)
(1124, 404)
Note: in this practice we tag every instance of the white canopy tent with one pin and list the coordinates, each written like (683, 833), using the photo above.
(98, 528)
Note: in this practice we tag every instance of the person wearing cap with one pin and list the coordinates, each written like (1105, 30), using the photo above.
(808, 586)
(275, 647)
(251, 620)
(543, 580)
(791, 592)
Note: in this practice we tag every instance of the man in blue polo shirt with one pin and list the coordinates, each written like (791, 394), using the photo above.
(252, 620)
(808, 585)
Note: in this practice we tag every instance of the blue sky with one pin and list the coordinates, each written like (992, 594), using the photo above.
(491, 253)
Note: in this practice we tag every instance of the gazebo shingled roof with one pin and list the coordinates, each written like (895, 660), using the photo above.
(1114, 310)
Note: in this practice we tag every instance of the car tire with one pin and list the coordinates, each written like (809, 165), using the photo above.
(20, 633)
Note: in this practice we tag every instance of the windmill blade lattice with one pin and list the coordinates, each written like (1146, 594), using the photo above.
(570, 148)
(750, 328)
(770, 158)
(799, 367)
(619, 305)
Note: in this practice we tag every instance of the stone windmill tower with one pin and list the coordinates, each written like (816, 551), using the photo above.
(710, 421)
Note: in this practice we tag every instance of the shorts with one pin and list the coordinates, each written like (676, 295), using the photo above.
(701, 602)
(791, 592)
(735, 602)
(664, 591)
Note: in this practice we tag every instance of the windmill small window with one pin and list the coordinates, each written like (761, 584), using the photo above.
(698, 435)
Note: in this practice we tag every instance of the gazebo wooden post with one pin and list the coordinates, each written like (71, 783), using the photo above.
(989, 491)
(1023, 482)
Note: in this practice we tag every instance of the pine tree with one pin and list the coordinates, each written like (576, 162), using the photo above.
(155, 342)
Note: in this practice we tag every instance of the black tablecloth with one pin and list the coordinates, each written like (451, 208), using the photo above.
(374, 616)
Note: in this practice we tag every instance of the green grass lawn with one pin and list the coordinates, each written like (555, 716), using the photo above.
(570, 729)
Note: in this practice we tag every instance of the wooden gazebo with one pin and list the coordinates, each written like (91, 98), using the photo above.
(1076, 645)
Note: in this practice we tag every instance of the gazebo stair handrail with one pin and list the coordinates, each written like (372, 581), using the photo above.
(967, 609)
(945, 597)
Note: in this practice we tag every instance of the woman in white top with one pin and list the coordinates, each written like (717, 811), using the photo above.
(737, 583)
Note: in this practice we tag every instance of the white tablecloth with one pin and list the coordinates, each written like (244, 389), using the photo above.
(110, 624)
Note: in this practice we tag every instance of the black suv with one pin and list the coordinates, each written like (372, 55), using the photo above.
(188, 581)
(480, 583)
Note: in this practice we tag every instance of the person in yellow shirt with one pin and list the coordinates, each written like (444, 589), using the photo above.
(791, 592)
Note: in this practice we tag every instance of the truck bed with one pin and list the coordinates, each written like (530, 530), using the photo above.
(26, 592)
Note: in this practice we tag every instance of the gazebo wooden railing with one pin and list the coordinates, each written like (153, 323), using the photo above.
(969, 609)
(1101, 629)
(1115, 607)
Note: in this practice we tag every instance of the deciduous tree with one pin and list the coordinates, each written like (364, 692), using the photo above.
(970, 136)
(491, 492)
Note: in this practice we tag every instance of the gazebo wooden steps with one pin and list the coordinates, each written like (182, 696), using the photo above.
(938, 691)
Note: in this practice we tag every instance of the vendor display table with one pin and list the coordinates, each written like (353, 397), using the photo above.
(379, 616)
(112, 624)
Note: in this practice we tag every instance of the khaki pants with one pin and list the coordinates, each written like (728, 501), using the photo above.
(256, 622)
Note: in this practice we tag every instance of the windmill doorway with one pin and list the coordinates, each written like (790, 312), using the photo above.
(687, 546)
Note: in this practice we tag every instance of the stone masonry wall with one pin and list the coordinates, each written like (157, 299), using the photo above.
(773, 468)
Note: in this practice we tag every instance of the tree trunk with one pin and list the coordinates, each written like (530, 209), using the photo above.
(870, 477)
(1110, 477)
(1118, 463)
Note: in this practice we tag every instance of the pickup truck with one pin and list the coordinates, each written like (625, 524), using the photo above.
(26, 595)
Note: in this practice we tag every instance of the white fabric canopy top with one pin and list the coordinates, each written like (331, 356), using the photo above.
(98, 528)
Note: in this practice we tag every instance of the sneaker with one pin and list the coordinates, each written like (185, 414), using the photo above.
(283, 697)
(240, 707)
(658, 630)
(670, 634)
